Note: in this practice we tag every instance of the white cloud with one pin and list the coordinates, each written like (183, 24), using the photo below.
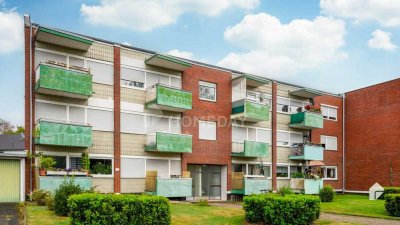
(11, 31)
(385, 12)
(275, 49)
(146, 15)
(381, 40)
(185, 55)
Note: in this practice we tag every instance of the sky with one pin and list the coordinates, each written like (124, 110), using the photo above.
(330, 45)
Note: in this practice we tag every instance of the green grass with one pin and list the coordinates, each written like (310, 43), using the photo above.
(358, 205)
(40, 215)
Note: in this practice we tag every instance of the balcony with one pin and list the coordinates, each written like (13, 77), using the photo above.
(51, 183)
(307, 152)
(167, 98)
(247, 185)
(61, 81)
(306, 186)
(168, 187)
(63, 134)
(169, 142)
(251, 111)
(306, 120)
(250, 149)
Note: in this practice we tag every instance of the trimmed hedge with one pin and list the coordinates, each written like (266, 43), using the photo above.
(392, 204)
(119, 209)
(276, 209)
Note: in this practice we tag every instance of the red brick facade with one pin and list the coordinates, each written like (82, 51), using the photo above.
(274, 135)
(332, 128)
(216, 152)
(117, 119)
(373, 136)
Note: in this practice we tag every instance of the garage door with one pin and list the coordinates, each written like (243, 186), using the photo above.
(9, 180)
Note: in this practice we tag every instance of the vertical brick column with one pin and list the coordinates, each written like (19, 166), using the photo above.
(117, 119)
(274, 133)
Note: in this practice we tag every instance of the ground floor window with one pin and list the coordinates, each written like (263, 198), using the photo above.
(282, 171)
(295, 170)
(252, 169)
(329, 172)
(101, 166)
(61, 162)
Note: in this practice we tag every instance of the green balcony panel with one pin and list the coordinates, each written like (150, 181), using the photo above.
(307, 152)
(306, 186)
(54, 80)
(63, 134)
(168, 142)
(174, 187)
(51, 183)
(246, 110)
(168, 98)
(306, 120)
(253, 186)
(251, 149)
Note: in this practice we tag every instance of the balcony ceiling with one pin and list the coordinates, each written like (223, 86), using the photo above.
(62, 38)
(168, 62)
(306, 93)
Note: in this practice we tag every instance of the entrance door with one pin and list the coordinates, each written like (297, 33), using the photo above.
(10, 180)
(206, 181)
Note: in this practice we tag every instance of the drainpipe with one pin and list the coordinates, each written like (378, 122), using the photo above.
(343, 143)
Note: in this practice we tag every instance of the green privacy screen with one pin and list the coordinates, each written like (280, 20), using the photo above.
(306, 120)
(174, 143)
(174, 187)
(308, 152)
(60, 81)
(250, 111)
(61, 134)
(172, 99)
(253, 186)
(51, 183)
(253, 149)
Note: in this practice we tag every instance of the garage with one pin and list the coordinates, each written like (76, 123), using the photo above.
(12, 168)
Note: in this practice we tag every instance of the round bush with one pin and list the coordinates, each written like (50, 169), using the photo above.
(327, 194)
(40, 196)
(62, 194)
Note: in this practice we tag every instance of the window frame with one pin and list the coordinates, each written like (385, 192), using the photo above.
(304, 103)
(106, 158)
(216, 130)
(330, 107)
(246, 166)
(325, 172)
(256, 129)
(326, 138)
(288, 171)
(290, 143)
(210, 85)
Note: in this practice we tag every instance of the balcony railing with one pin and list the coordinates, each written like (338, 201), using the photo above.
(306, 186)
(168, 187)
(169, 142)
(247, 185)
(63, 81)
(168, 98)
(307, 152)
(306, 120)
(251, 111)
(63, 134)
(250, 149)
(51, 183)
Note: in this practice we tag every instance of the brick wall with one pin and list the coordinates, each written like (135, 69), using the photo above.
(204, 151)
(117, 119)
(373, 136)
(332, 128)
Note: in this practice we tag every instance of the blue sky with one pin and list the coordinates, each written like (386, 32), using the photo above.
(332, 45)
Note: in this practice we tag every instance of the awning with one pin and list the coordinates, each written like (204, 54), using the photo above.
(63, 38)
(253, 81)
(316, 163)
(306, 93)
(169, 62)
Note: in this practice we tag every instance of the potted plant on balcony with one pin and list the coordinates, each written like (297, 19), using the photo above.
(45, 164)
(313, 108)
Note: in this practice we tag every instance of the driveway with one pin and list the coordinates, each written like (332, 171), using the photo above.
(8, 214)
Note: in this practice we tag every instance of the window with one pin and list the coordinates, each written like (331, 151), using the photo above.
(132, 77)
(76, 62)
(239, 168)
(42, 57)
(132, 123)
(239, 134)
(207, 130)
(289, 105)
(282, 171)
(330, 142)
(52, 112)
(207, 91)
(101, 119)
(329, 113)
(153, 78)
(175, 167)
(329, 173)
(76, 115)
(75, 163)
(100, 166)
(154, 124)
(159, 165)
(102, 73)
(285, 138)
(295, 169)
(132, 168)
(259, 97)
(61, 162)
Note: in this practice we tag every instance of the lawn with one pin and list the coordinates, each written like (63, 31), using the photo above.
(182, 214)
(358, 205)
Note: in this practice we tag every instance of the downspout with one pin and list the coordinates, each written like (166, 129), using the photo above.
(343, 143)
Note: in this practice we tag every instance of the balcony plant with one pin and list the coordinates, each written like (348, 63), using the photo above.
(45, 163)
(313, 108)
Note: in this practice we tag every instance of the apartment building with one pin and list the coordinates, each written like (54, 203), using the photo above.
(155, 123)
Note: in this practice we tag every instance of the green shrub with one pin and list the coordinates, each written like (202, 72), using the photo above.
(50, 203)
(62, 193)
(285, 191)
(276, 209)
(297, 175)
(40, 196)
(203, 202)
(119, 209)
(389, 190)
(392, 204)
(327, 194)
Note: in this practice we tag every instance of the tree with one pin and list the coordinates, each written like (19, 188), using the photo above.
(7, 128)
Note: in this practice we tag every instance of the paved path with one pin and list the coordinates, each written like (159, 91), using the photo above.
(358, 219)
(8, 214)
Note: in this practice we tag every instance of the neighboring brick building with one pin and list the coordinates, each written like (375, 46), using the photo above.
(372, 131)
(151, 122)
